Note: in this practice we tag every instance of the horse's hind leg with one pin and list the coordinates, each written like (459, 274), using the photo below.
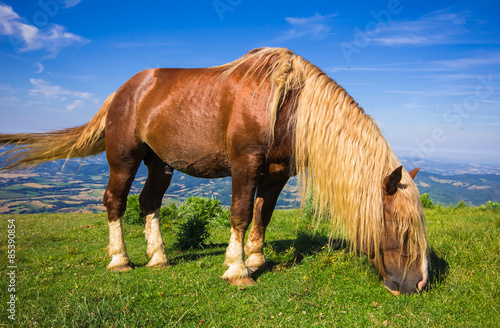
(268, 192)
(159, 176)
(123, 168)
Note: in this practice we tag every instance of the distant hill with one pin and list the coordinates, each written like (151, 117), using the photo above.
(449, 168)
(473, 189)
(80, 186)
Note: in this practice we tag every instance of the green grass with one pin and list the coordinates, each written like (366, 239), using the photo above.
(61, 279)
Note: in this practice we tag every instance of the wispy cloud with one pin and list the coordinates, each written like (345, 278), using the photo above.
(28, 37)
(467, 62)
(68, 98)
(314, 27)
(439, 27)
(452, 69)
(55, 91)
(72, 3)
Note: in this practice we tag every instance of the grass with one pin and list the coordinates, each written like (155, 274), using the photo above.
(61, 280)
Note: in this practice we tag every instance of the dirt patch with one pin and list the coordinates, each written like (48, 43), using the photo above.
(478, 187)
(36, 185)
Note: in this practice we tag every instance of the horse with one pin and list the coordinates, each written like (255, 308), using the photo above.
(260, 119)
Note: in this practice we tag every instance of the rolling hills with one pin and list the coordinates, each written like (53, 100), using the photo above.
(80, 185)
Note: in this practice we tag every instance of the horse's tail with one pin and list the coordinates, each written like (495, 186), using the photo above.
(31, 149)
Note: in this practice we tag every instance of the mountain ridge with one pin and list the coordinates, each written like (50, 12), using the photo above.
(80, 186)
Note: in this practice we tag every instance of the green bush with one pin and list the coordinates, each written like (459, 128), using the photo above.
(169, 213)
(133, 212)
(196, 214)
(460, 204)
(490, 206)
(205, 207)
(427, 202)
(192, 233)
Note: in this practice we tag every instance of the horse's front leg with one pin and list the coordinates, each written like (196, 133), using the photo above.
(244, 182)
(267, 195)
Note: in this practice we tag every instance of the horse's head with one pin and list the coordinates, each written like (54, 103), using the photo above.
(403, 249)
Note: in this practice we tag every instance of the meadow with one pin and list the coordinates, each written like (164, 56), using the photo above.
(61, 279)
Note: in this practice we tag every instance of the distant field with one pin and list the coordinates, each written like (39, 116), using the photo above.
(61, 280)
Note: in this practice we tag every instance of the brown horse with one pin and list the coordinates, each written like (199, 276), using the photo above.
(260, 119)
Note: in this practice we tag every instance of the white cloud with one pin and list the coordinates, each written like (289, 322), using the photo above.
(315, 27)
(72, 3)
(40, 68)
(460, 63)
(77, 103)
(29, 38)
(70, 99)
(451, 69)
(439, 27)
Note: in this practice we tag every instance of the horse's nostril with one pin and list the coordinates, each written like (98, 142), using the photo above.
(392, 286)
(421, 284)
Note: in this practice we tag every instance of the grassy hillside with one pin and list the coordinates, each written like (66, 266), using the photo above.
(61, 280)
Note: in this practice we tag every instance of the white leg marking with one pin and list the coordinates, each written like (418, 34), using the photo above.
(234, 259)
(117, 250)
(254, 250)
(156, 247)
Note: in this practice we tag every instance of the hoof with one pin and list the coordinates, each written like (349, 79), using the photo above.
(241, 281)
(256, 263)
(158, 261)
(120, 268)
(257, 268)
(120, 263)
(158, 265)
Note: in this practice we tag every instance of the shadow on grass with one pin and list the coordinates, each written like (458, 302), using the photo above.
(309, 243)
(438, 270)
(196, 253)
(176, 256)
(291, 252)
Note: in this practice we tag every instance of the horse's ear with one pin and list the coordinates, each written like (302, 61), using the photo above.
(392, 181)
(414, 172)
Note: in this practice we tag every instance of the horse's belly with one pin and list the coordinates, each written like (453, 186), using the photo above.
(202, 162)
(202, 167)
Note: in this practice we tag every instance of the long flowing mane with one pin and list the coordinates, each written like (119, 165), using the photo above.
(339, 152)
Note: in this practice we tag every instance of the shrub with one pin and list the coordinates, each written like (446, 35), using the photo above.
(460, 204)
(490, 206)
(192, 233)
(133, 212)
(196, 215)
(427, 201)
(222, 219)
(206, 208)
(169, 213)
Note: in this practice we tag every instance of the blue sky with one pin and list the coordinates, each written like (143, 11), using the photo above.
(427, 71)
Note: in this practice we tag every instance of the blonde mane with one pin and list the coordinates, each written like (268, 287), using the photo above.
(339, 152)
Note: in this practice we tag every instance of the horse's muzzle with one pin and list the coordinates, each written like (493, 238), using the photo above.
(406, 286)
